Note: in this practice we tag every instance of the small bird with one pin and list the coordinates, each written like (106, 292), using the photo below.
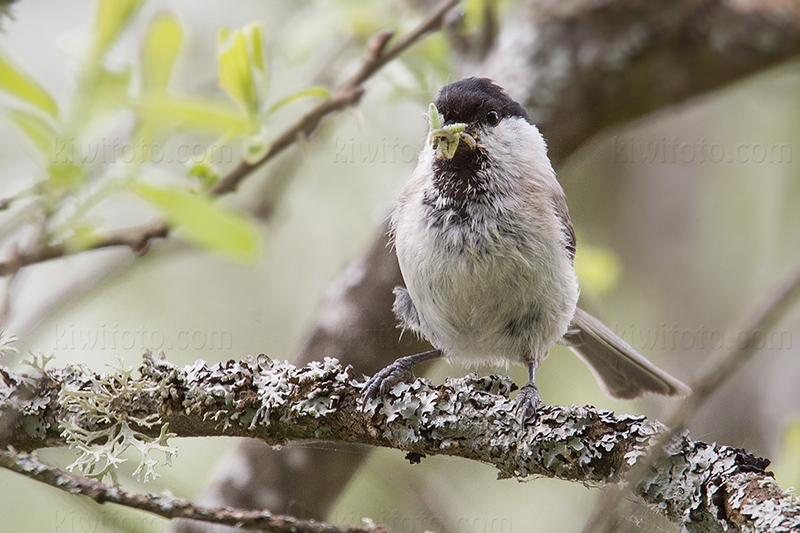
(486, 248)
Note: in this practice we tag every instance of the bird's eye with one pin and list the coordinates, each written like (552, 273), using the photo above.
(493, 117)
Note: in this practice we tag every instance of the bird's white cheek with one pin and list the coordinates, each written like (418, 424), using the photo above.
(518, 150)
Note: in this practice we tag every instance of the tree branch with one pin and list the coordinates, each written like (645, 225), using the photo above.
(29, 466)
(137, 239)
(355, 325)
(607, 86)
(762, 318)
(346, 95)
(580, 67)
(706, 487)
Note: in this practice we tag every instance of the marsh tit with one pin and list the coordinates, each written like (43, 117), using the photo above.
(486, 247)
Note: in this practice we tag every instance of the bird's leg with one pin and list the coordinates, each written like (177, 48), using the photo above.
(401, 370)
(528, 398)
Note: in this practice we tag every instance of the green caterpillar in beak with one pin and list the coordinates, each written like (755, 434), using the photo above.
(445, 139)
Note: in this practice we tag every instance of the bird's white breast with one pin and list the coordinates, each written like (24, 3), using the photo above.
(496, 285)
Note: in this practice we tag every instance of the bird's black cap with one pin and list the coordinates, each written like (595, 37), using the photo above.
(470, 100)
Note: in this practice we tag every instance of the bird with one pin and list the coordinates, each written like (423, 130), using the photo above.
(486, 248)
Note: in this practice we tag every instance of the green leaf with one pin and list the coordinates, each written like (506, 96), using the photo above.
(787, 464)
(100, 92)
(112, 17)
(159, 51)
(83, 237)
(235, 75)
(256, 146)
(205, 172)
(434, 119)
(207, 224)
(319, 92)
(15, 81)
(255, 36)
(599, 269)
(38, 130)
(436, 53)
(474, 14)
(65, 174)
(202, 115)
(242, 68)
(109, 91)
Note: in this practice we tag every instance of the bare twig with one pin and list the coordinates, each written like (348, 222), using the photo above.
(348, 94)
(5, 300)
(759, 320)
(137, 239)
(29, 466)
(6, 202)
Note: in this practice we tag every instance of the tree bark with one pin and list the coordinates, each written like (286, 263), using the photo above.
(581, 67)
(704, 487)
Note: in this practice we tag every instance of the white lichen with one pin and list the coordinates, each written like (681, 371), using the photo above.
(7, 341)
(273, 388)
(705, 487)
(321, 400)
(102, 423)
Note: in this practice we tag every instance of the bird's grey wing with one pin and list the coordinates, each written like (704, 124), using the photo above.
(405, 310)
(562, 213)
(621, 370)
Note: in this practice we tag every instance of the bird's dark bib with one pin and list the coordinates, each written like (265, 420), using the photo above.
(458, 183)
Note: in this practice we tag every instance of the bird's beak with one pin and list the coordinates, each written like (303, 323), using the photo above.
(445, 138)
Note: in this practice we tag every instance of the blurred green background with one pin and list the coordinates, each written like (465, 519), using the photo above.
(684, 221)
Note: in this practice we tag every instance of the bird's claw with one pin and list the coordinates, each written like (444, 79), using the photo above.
(383, 381)
(528, 404)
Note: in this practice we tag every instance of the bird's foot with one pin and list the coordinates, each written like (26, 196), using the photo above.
(399, 371)
(382, 382)
(528, 404)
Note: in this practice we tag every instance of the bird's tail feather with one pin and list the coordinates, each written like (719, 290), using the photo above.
(621, 370)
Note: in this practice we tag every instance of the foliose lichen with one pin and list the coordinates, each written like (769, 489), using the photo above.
(102, 420)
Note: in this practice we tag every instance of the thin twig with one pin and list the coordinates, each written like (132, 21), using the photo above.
(6, 202)
(137, 239)
(759, 320)
(28, 465)
(346, 95)
(5, 300)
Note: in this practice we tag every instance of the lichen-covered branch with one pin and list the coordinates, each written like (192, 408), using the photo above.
(28, 465)
(580, 66)
(706, 487)
(355, 325)
(762, 317)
